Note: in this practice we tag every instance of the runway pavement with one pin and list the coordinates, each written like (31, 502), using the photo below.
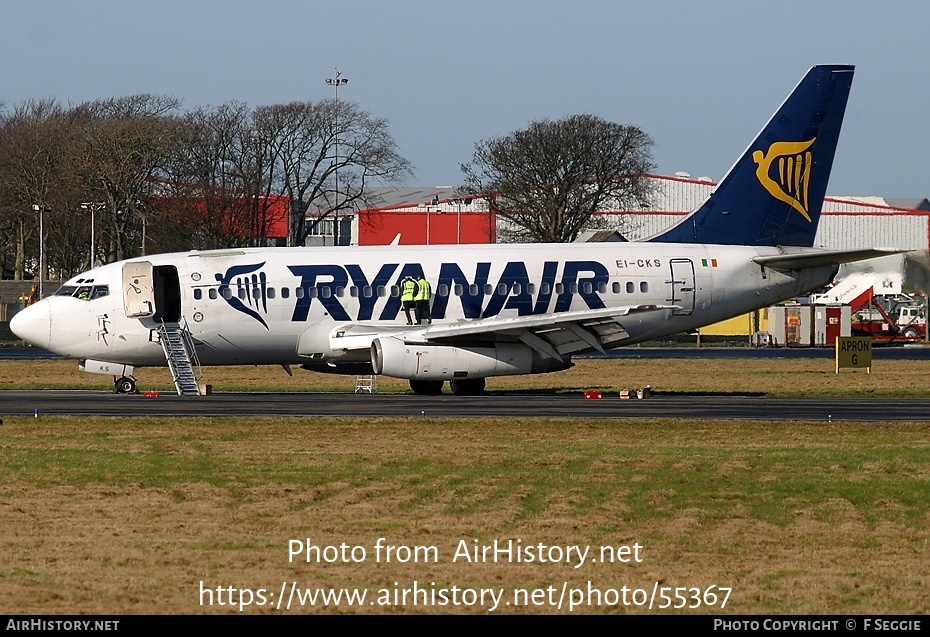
(497, 405)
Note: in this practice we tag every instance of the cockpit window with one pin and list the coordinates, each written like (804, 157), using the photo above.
(84, 292)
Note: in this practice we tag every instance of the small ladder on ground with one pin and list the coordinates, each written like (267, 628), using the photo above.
(366, 384)
(179, 352)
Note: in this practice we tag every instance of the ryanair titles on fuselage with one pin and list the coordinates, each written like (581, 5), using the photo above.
(511, 290)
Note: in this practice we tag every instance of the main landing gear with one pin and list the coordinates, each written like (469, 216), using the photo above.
(461, 387)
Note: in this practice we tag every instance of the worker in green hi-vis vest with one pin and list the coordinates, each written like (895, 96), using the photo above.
(422, 297)
(408, 297)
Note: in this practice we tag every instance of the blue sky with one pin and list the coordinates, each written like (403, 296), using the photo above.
(701, 77)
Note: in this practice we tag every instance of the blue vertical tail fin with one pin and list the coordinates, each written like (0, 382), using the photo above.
(773, 194)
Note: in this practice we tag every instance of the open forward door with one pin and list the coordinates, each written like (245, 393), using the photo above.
(138, 289)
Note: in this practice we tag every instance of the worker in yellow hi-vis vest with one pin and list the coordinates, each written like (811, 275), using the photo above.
(408, 297)
(422, 297)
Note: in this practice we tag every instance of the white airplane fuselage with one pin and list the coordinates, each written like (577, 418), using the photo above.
(496, 309)
(288, 305)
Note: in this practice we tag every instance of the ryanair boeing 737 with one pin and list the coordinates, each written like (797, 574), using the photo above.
(496, 309)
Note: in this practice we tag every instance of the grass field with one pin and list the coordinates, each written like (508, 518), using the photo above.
(110, 516)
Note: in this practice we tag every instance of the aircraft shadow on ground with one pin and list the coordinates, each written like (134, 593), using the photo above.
(750, 394)
(654, 394)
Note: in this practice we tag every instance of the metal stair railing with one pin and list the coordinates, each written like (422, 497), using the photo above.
(181, 356)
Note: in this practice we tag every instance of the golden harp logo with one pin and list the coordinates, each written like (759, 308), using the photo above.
(785, 172)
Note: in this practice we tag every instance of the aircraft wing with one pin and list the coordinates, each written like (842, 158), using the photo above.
(817, 258)
(554, 335)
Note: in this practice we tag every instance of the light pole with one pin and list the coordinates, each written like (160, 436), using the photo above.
(458, 222)
(41, 210)
(336, 81)
(93, 207)
(259, 222)
(433, 202)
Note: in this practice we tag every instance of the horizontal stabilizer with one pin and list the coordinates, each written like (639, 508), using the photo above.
(818, 258)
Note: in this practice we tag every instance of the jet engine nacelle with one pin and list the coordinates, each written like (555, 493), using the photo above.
(393, 357)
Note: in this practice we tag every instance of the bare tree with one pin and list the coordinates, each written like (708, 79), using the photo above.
(205, 183)
(329, 152)
(33, 173)
(127, 141)
(257, 165)
(549, 180)
(208, 179)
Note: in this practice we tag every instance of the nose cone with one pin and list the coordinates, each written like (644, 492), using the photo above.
(34, 324)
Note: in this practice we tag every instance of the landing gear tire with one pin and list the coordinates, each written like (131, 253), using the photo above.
(125, 385)
(426, 387)
(467, 387)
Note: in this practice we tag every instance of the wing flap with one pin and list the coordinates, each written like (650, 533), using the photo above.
(535, 322)
(553, 335)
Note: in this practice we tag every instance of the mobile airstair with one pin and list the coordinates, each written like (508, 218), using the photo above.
(182, 360)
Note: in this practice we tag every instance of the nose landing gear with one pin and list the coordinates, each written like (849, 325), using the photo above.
(125, 385)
